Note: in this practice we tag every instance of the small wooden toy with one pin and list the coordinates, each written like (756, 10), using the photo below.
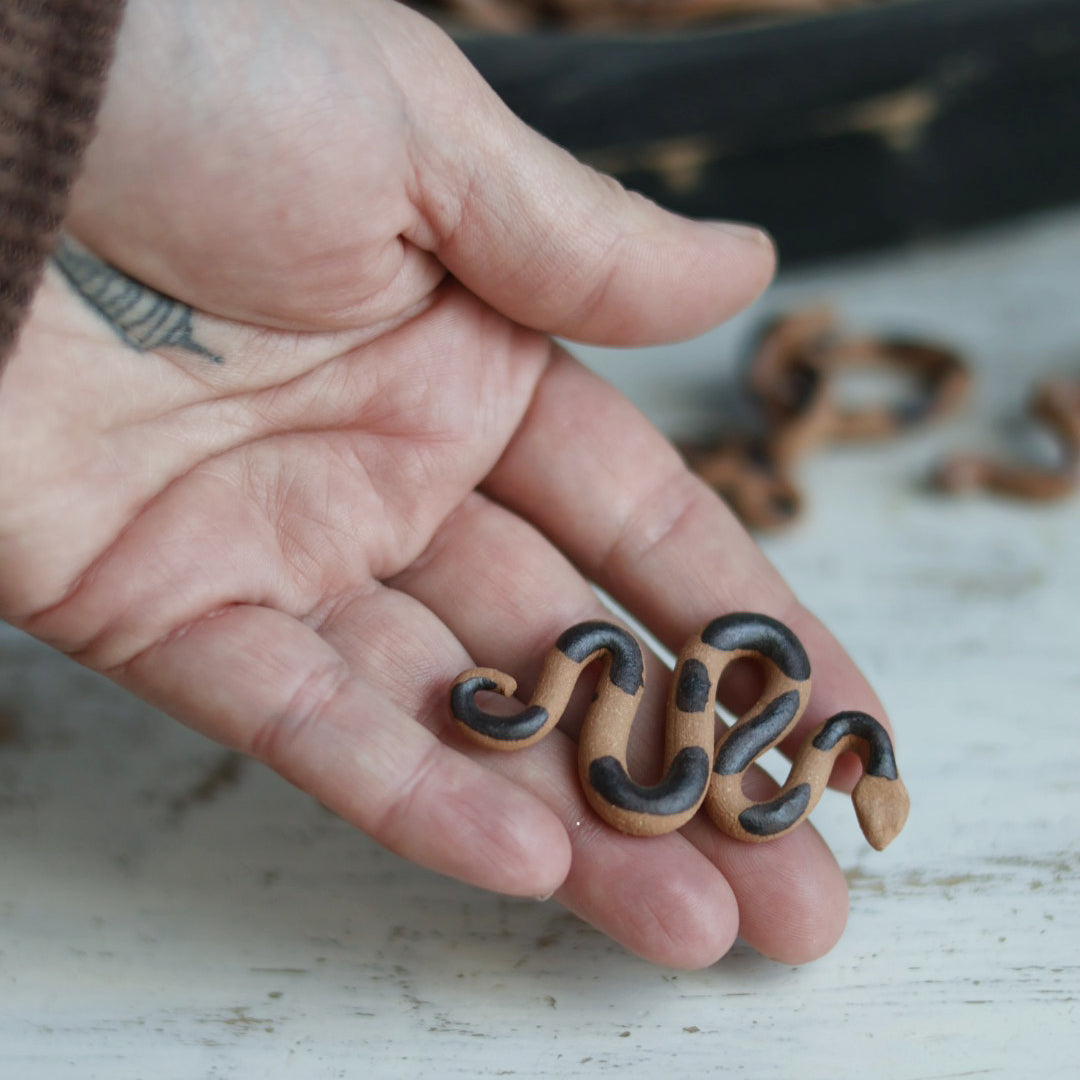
(698, 767)
(597, 14)
(1056, 405)
(792, 378)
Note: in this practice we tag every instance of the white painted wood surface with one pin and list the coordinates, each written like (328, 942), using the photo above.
(167, 910)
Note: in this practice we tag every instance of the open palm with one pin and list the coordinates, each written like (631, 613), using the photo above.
(345, 461)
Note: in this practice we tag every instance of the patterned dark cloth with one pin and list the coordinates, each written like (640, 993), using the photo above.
(54, 57)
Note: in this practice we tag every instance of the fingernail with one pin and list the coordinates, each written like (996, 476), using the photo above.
(747, 233)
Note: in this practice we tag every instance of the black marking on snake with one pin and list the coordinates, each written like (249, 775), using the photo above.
(682, 787)
(744, 742)
(914, 411)
(627, 669)
(523, 725)
(760, 456)
(768, 818)
(140, 316)
(759, 633)
(803, 383)
(783, 505)
(694, 690)
(881, 760)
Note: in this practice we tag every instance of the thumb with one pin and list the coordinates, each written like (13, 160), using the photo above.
(556, 246)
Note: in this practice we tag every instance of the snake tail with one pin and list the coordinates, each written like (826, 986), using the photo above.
(632, 807)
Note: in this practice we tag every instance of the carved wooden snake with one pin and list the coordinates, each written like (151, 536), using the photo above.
(1056, 405)
(519, 15)
(697, 767)
(792, 376)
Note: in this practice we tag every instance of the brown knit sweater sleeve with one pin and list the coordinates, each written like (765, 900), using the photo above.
(54, 55)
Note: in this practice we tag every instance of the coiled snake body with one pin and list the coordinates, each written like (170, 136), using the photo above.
(698, 768)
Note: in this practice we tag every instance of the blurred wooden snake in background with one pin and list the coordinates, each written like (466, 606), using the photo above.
(698, 767)
(792, 378)
(1056, 406)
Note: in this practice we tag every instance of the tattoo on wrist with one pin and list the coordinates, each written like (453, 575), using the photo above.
(140, 316)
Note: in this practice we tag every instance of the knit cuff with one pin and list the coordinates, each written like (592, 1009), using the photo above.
(54, 57)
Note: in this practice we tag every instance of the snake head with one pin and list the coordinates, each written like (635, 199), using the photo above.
(881, 806)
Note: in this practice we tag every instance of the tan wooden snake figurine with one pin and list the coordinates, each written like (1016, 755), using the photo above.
(1056, 405)
(792, 378)
(518, 15)
(698, 767)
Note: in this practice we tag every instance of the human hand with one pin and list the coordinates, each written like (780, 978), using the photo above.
(346, 462)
